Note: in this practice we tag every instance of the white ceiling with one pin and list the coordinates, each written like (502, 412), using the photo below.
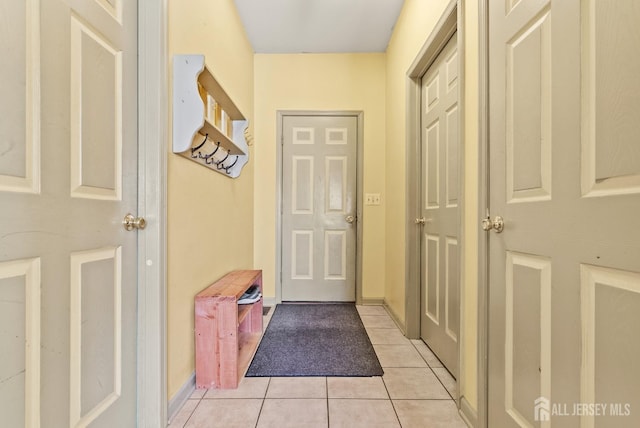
(319, 26)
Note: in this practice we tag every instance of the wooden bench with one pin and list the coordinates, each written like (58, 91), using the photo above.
(227, 334)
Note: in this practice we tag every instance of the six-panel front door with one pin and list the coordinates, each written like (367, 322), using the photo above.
(564, 274)
(319, 208)
(440, 302)
(68, 175)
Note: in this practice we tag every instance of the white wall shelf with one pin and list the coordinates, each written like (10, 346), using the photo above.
(204, 113)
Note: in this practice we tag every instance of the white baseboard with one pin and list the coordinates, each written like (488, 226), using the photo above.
(395, 318)
(269, 301)
(372, 301)
(467, 413)
(181, 397)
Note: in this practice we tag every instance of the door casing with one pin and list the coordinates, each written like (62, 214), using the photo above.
(359, 192)
(449, 23)
(152, 184)
(483, 207)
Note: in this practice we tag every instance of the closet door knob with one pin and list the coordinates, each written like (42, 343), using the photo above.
(497, 224)
(130, 222)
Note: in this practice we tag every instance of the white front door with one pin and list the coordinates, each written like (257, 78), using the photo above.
(564, 274)
(440, 283)
(319, 208)
(68, 175)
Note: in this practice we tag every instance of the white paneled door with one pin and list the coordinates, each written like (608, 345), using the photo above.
(319, 208)
(440, 279)
(68, 175)
(564, 274)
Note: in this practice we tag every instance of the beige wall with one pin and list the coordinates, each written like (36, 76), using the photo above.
(415, 24)
(210, 216)
(320, 82)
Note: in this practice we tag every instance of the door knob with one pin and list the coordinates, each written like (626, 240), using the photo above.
(422, 221)
(350, 219)
(130, 222)
(497, 224)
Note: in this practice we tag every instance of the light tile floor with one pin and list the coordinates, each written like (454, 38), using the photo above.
(415, 391)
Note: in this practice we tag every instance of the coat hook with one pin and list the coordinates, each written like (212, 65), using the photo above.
(227, 168)
(193, 149)
(220, 164)
(210, 155)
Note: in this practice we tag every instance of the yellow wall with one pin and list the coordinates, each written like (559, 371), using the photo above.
(320, 82)
(415, 24)
(213, 227)
(210, 216)
(416, 21)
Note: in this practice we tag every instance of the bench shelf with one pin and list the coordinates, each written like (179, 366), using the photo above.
(226, 334)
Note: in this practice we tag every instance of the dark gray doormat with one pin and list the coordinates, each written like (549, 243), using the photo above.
(315, 340)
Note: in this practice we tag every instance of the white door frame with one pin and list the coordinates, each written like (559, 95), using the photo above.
(450, 22)
(359, 192)
(483, 209)
(152, 178)
(444, 29)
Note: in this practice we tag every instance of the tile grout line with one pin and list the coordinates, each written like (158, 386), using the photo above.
(383, 368)
(391, 401)
(431, 368)
(194, 410)
(326, 386)
(262, 404)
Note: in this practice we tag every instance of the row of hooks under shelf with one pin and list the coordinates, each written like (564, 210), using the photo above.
(209, 158)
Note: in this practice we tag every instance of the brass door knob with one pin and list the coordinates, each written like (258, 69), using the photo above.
(497, 224)
(130, 222)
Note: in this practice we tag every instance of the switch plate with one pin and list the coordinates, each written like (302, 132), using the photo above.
(368, 199)
(372, 199)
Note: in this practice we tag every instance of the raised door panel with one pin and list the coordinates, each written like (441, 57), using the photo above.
(113, 7)
(610, 301)
(611, 98)
(527, 335)
(20, 338)
(432, 276)
(335, 255)
(528, 109)
(335, 184)
(20, 83)
(432, 163)
(452, 287)
(302, 246)
(452, 160)
(302, 185)
(96, 114)
(95, 332)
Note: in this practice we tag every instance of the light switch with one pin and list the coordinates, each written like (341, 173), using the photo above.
(372, 199)
(368, 199)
